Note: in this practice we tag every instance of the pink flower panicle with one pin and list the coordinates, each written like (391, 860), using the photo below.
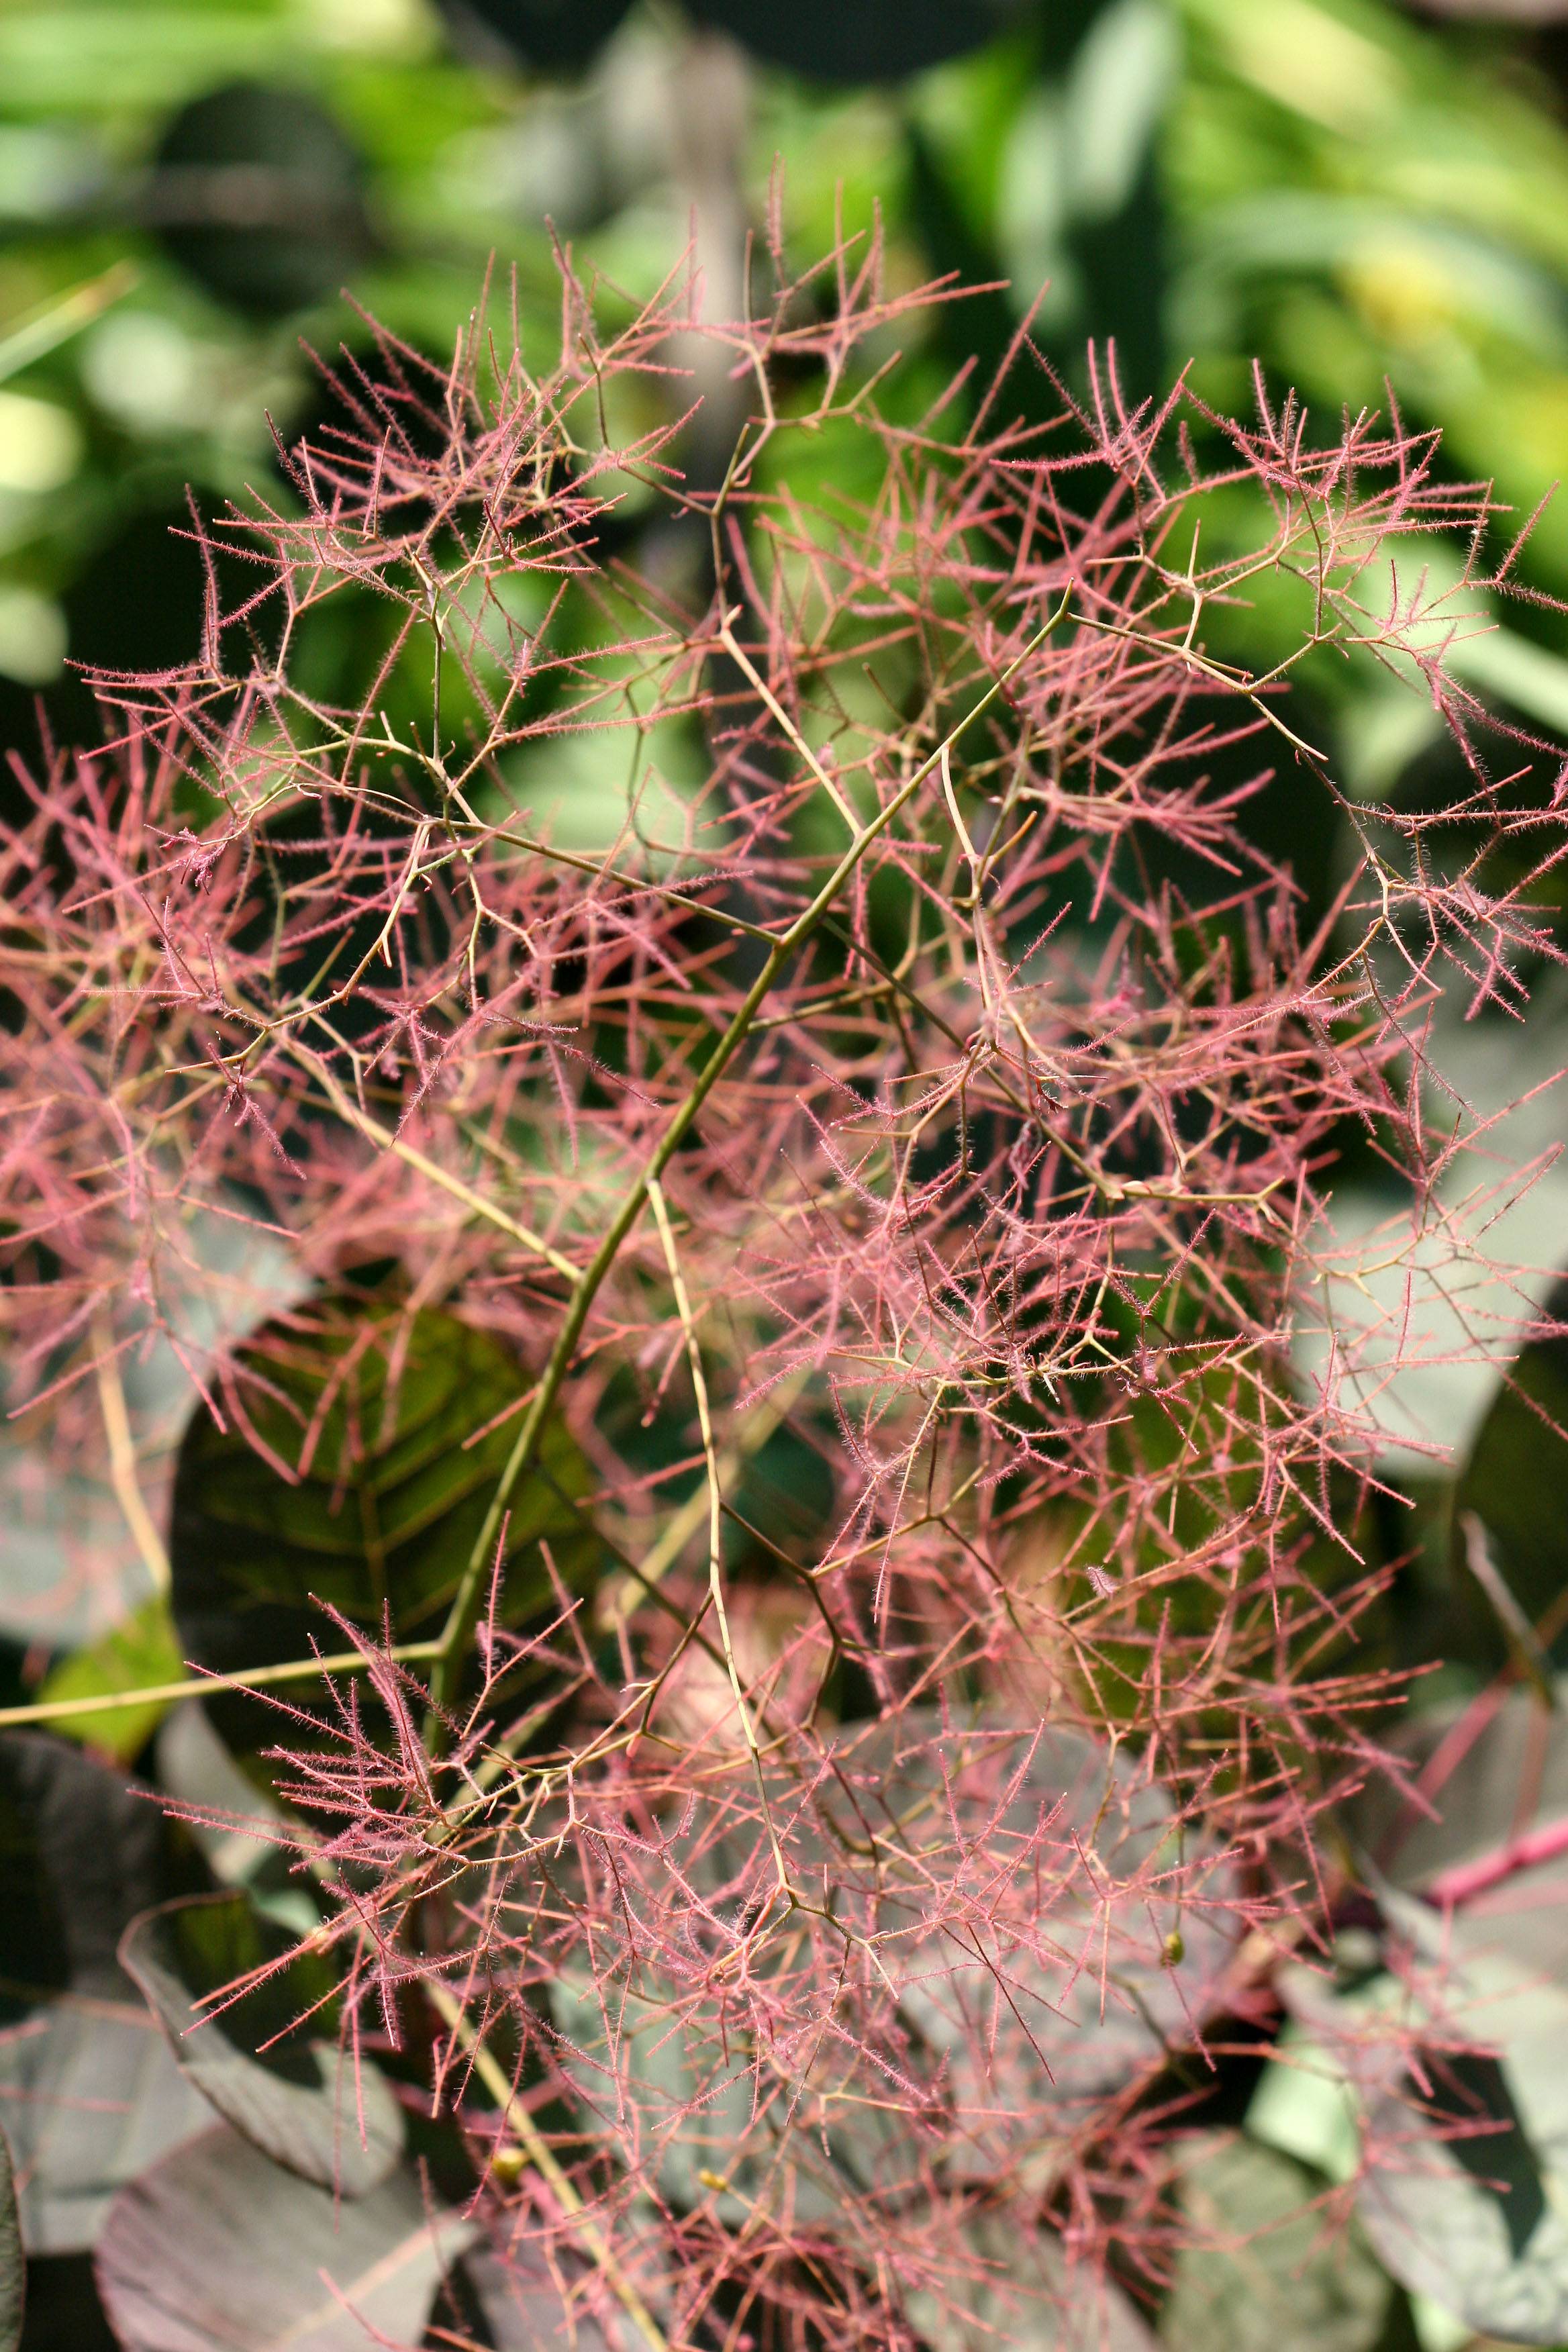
(891, 1896)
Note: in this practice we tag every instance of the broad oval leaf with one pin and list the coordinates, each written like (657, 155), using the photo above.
(90, 2094)
(1008, 2283)
(89, 2091)
(365, 1440)
(1262, 2267)
(81, 1852)
(1095, 1993)
(1462, 2101)
(532, 2302)
(678, 2095)
(1013, 2046)
(294, 2095)
(219, 2250)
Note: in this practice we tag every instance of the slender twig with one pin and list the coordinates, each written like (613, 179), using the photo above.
(57, 321)
(1463, 1881)
(652, 1568)
(122, 1457)
(531, 2140)
(373, 1132)
(1523, 1639)
(715, 1514)
(297, 1670)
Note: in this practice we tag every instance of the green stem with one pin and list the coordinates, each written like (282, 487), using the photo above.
(468, 1599)
(297, 1670)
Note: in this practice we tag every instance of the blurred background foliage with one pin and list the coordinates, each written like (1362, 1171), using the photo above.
(1364, 199)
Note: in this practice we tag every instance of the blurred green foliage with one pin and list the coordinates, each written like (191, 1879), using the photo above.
(1367, 202)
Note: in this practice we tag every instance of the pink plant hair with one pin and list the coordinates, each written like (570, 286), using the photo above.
(946, 1077)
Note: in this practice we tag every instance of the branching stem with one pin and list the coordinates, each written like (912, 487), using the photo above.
(467, 1600)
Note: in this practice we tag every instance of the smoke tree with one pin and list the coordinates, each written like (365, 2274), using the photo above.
(797, 1574)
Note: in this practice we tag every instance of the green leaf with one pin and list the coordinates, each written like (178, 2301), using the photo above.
(363, 1445)
(218, 2247)
(13, 2270)
(138, 1654)
(292, 2095)
(76, 60)
(1302, 2106)
(1263, 2268)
